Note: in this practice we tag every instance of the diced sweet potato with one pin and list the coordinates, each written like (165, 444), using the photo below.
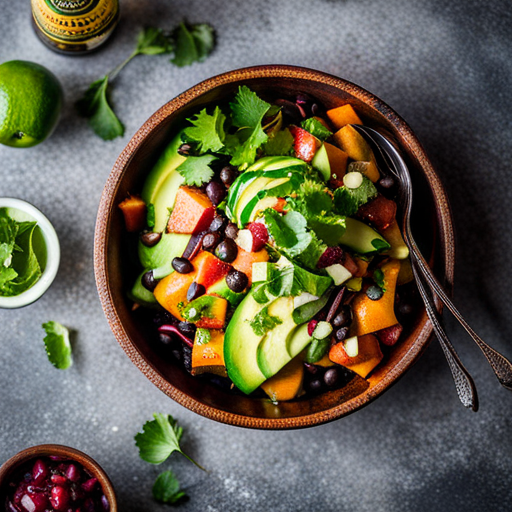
(134, 212)
(209, 268)
(171, 292)
(369, 356)
(286, 384)
(337, 160)
(341, 116)
(374, 315)
(380, 212)
(208, 353)
(244, 261)
(350, 141)
(193, 212)
(216, 314)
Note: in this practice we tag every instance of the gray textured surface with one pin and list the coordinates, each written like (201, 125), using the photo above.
(447, 68)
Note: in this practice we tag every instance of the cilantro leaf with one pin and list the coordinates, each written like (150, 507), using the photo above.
(263, 322)
(348, 200)
(196, 169)
(166, 488)
(207, 130)
(316, 128)
(159, 438)
(153, 41)
(8, 230)
(313, 198)
(58, 347)
(378, 277)
(380, 245)
(94, 105)
(193, 43)
(329, 228)
(310, 256)
(289, 231)
(280, 144)
(247, 112)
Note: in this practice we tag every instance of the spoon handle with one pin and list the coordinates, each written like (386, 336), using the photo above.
(464, 383)
(501, 366)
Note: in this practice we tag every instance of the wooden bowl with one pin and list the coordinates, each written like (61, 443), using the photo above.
(433, 227)
(44, 450)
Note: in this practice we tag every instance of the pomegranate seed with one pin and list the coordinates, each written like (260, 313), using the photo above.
(88, 486)
(59, 497)
(59, 479)
(39, 471)
(72, 473)
(259, 235)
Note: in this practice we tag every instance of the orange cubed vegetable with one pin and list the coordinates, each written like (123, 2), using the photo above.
(393, 235)
(244, 261)
(286, 384)
(350, 141)
(323, 122)
(341, 116)
(193, 212)
(210, 269)
(374, 315)
(337, 160)
(134, 212)
(369, 356)
(216, 316)
(208, 352)
(171, 292)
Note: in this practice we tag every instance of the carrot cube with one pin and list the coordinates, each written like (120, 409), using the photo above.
(341, 116)
(193, 212)
(134, 212)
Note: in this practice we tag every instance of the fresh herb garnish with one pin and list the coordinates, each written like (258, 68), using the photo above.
(264, 322)
(316, 128)
(203, 336)
(166, 488)
(313, 198)
(378, 277)
(196, 169)
(380, 245)
(280, 144)
(150, 215)
(160, 437)
(58, 347)
(329, 228)
(289, 231)
(348, 200)
(207, 130)
(191, 43)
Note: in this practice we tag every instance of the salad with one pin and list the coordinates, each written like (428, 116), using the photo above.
(270, 256)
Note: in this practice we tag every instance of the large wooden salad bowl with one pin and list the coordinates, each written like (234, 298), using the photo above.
(432, 224)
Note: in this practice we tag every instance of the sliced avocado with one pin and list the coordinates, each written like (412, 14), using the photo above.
(362, 238)
(272, 353)
(163, 182)
(142, 295)
(222, 289)
(159, 257)
(321, 162)
(249, 193)
(298, 340)
(241, 345)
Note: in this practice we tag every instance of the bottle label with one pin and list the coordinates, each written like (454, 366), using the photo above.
(74, 21)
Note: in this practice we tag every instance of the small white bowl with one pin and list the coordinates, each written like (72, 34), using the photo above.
(52, 255)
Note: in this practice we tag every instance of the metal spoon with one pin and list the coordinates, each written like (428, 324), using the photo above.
(501, 365)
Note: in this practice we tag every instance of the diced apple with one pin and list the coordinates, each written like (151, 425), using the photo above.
(339, 273)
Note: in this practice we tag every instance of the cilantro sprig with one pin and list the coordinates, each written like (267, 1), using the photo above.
(196, 169)
(166, 488)
(159, 439)
(187, 43)
(58, 347)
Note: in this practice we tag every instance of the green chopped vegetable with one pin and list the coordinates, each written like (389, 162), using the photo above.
(317, 349)
(312, 199)
(207, 130)
(280, 144)
(263, 322)
(316, 128)
(166, 488)
(378, 277)
(348, 200)
(159, 438)
(58, 347)
(196, 169)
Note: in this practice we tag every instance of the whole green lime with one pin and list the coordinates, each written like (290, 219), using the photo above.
(31, 99)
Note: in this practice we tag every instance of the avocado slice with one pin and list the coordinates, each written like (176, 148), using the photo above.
(159, 257)
(298, 340)
(362, 238)
(163, 182)
(321, 162)
(272, 353)
(240, 347)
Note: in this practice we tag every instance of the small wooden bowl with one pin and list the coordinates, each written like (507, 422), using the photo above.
(46, 450)
(432, 224)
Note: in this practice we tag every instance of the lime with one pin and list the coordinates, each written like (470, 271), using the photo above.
(30, 103)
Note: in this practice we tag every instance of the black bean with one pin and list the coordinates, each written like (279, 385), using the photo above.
(194, 291)
(341, 334)
(187, 329)
(210, 241)
(165, 339)
(148, 281)
(231, 231)
(315, 385)
(315, 109)
(342, 318)
(217, 223)
(215, 192)
(228, 174)
(227, 251)
(182, 265)
(237, 281)
(150, 239)
(187, 357)
(331, 377)
(387, 182)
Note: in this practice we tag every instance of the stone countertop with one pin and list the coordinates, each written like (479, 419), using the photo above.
(446, 68)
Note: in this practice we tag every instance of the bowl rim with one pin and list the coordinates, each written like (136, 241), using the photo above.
(407, 139)
(51, 239)
(42, 450)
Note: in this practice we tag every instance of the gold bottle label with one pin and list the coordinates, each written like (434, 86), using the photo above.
(75, 22)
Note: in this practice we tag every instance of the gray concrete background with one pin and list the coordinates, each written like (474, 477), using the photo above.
(446, 67)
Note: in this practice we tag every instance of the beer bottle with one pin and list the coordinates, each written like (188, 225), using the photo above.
(74, 26)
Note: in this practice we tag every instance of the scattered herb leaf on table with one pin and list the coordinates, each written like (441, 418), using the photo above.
(57, 345)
